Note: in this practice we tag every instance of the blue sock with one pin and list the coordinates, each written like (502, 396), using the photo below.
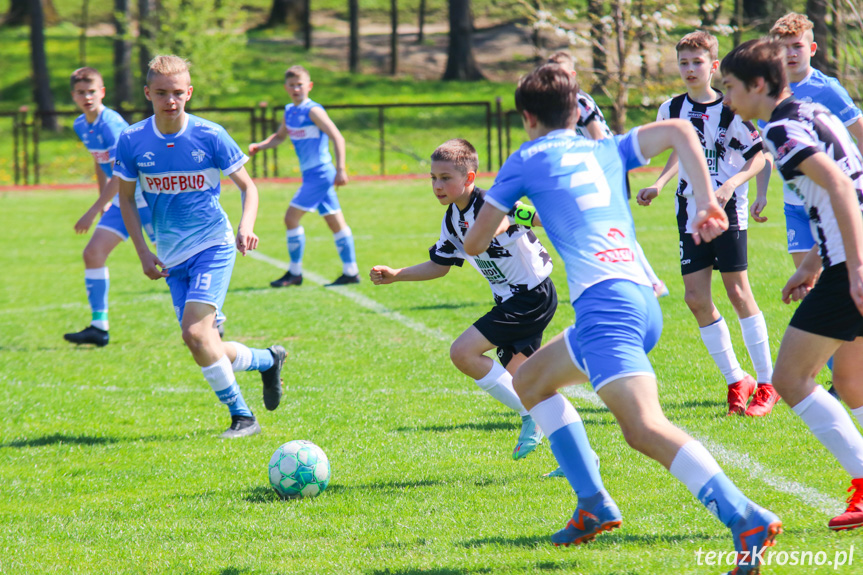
(572, 450)
(251, 359)
(830, 364)
(723, 499)
(296, 245)
(345, 246)
(221, 378)
(97, 281)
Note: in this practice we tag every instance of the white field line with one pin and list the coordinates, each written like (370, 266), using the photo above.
(359, 299)
(807, 495)
(730, 458)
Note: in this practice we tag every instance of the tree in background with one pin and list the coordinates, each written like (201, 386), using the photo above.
(19, 13)
(39, 61)
(354, 40)
(817, 10)
(461, 64)
(146, 26)
(122, 89)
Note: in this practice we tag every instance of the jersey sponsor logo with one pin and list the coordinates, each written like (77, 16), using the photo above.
(490, 271)
(712, 164)
(695, 115)
(786, 148)
(101, 156)
(615, 234)
(148, 155)
(133, 129)
(615, 255)
(175, 183)
(199, 155)
(305, 133)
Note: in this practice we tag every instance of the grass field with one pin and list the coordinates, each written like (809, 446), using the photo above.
(110, 464)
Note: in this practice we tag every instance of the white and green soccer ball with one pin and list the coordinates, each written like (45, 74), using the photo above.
(298, 469)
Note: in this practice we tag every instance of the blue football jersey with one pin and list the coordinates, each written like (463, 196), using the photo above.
(100, 139)
(180, 177)
(311, 144)
(578, 187)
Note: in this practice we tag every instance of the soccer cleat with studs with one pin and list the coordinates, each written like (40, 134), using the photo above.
(529, 438)
(344, 279)
(288, 279)
(763, 401)
(241, 426)
(738, 395)
(89, 334)
(753, 532)
(853, 516)
(272, 378)
(586, 525)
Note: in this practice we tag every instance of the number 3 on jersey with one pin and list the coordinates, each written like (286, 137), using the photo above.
(590, 174)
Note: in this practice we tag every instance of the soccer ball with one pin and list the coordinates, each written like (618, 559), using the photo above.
(299, 468)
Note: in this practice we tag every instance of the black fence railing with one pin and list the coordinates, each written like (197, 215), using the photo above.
(376, 133)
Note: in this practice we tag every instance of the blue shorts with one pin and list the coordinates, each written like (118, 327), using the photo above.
(317, 191)
(202, 278)
(799, 233)
(112, 220)
(616, 323)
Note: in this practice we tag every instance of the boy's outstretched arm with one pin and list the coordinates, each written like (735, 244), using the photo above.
(246, 238)
(382, 275)
(323, 121)
(751, 169)
(648, 194)
(762, 180)
(149, 261)
(484, 229)
(272, 141)
(679, 135)
(107, 193)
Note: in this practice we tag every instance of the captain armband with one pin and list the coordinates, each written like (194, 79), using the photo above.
(523, 215)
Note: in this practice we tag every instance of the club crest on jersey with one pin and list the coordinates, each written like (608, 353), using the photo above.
(199, 155)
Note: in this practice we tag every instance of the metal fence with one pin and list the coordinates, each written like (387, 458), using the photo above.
(378, 135)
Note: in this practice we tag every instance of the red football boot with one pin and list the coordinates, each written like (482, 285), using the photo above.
(853, 516)
(763, 402)
(738, 395)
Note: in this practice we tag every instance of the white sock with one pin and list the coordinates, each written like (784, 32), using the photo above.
(754, 330)
(244, 357)
(694, 466)
(833, 427)
(553, 414)
(498, 384)
(220, 376)
(717, 339)
(858, 415)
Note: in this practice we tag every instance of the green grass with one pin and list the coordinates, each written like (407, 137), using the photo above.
(110, 464)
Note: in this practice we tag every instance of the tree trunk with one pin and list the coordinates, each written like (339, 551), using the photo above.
(709, 17)
(122, 54)
(816, 10)
(307, 24)
(421, 24)
(461, 64)
(82, 39)
(286, 12)
(354, 44)
(146, 26)
(755, 10)
(394, 37)
(737, 21)
(19, 13)
(599, 58)
(39, 62)
(620, 99)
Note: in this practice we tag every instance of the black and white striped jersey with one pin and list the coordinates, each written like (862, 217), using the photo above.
(796, 131)
(514, 262)
(728, 143)
(589, 112)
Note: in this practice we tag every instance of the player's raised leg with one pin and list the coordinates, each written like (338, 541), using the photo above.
(344, 240)
(467, 354)
(267, 361)
(801, 356)
(717, 338)
(96, 279)
(296, 240)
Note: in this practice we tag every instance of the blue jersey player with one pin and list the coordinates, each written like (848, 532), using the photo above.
(177, 158)
(99, 127)
(310, 130)
(576, 186)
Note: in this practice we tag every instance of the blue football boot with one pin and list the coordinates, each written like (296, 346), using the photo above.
(529, 438)
(585, 525)
(753, 533)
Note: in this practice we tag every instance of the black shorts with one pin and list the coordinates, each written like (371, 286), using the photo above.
(727, 253)
(828, 309)
(516, 325)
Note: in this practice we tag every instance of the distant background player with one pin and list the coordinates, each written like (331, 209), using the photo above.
(517, 268)
(99, 127)
(310, 130)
